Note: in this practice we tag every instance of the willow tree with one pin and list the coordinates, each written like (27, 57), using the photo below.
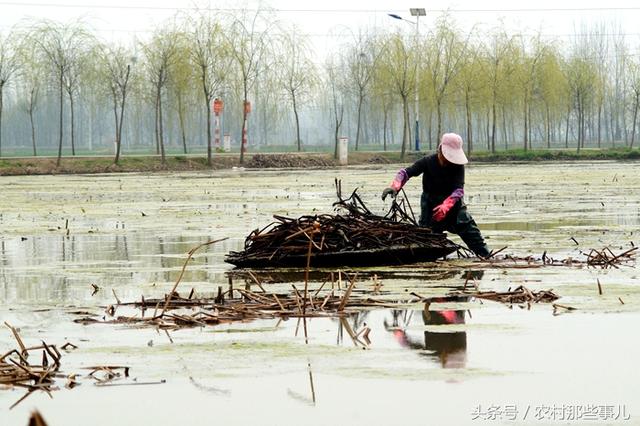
(446, 49)
(361, 57)
(634, 85)
(500, 65)
(211, 59)
(334, 84)
(471, 85)
(553, 89)
(32, 80)
(384, 94)
(527, 67)
(249, 44)
(182, 86)
(115, 64)
(60, 47)
(582, 78)
(399, 61)
(9, 65)
(297, 73)
(160, 55)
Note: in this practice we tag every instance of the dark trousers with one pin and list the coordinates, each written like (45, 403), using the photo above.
(458, 221)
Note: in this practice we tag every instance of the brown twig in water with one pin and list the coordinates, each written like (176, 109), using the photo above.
(190, 254)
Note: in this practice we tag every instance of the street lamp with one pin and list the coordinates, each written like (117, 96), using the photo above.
(417, 12)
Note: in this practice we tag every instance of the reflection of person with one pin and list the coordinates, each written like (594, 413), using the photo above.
(449, 347)
(442, 191)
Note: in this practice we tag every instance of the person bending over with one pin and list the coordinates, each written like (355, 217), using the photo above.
(442, 207)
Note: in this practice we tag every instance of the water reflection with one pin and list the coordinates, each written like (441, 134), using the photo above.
(449, 348)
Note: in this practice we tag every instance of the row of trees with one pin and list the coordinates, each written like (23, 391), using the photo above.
(497, 89)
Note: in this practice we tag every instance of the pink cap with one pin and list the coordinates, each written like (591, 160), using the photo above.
(451, 145)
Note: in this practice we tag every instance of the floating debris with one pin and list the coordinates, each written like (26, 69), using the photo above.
(238, 304)
(607, 258)
(16, 369)
(519, 295)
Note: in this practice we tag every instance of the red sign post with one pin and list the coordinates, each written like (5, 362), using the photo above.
(247, 110)
(218, 107)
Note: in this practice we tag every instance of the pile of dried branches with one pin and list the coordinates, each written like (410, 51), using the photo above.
(289, 241)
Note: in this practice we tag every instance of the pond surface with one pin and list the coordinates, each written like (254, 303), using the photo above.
(447, 362)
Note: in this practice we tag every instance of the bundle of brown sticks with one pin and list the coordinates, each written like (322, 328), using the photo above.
(353, 236)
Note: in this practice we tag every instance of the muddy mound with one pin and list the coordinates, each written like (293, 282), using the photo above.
(262, 161)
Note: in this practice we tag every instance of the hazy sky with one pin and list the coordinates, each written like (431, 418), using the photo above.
(122, 20)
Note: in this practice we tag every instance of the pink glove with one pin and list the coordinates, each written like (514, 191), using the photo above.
(440, 212)
(399, 180)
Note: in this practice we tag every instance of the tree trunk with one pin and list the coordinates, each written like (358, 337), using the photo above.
(469, 126)
(183, 132)
(209, 156)
(335, 138)
(635, 116)
(124, 100)
(548, 126)
(157, 124)
(359, 118)
(566, 131)
(580, 128)
(406, 132)
(61, 120)
(439, 112)
(244, 132)
(504, 128)
(73, 142)
(117, 125)
(526, 128)
(160, 129)
(295, 112)
(493, 127)
(1, 106)
(384, 129)
(599, 123)
(33, 130)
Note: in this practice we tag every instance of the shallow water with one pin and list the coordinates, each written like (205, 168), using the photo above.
(130, 233)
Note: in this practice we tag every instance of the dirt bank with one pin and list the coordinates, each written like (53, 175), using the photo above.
(89, 165)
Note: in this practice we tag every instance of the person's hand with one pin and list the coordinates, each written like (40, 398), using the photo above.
(440, 211)
(389, 191)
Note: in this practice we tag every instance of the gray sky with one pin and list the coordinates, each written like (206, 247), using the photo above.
(124, 20)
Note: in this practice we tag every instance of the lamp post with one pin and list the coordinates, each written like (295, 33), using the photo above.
(417, 12)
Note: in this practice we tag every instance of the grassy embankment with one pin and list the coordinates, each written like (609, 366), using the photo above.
(78, 165)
